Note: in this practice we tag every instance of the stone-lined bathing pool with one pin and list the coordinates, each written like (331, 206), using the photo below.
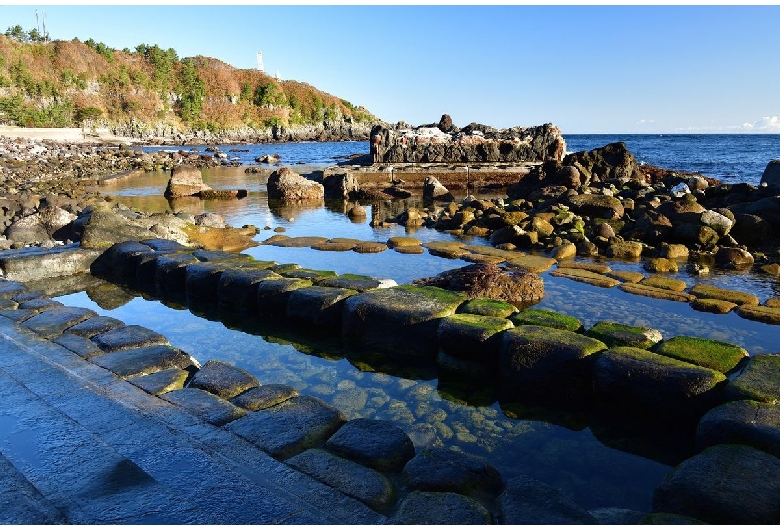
(595, 461)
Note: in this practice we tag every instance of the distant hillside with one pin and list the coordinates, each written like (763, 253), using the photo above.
(151, 92)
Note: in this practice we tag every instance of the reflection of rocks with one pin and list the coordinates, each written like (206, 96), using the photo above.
(109, 296)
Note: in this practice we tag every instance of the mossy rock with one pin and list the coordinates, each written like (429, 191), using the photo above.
(281, 268)
(598, 268)
(655, 292)
(403, 241)
(709, 353)
(403, 318)
(356, 282)
(758, 381)
(773, 302)
(626, 276)
(626, 378)
(710, 305)
(625, 250)
(531, 263)
(492, 251)
(546, 318)
(585, 276)
(737, 297)
(472, 337)
(760, 313)
(614, 334)
(337, 245)
(481, 258)
(446, 249)
(488, 307)
(308, 274)
(741, 422)
(534, 359)
(409, 250)
(298, 242)
(369, 247)
(661, 265)
(662, 282)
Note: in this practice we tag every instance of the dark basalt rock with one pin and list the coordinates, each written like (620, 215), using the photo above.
(374, 443)
(440, 508)
(440, 469)
(526, 501)
(222, 379)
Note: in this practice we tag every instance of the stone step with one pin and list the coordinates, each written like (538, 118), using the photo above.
(101, 451)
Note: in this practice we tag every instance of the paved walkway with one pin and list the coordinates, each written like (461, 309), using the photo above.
(80, 446)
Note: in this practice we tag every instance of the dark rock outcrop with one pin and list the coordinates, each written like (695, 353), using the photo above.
(287, 185)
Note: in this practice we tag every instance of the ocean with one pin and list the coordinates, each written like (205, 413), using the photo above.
(731, 158)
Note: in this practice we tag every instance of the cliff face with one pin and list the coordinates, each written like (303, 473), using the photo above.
(445, 143)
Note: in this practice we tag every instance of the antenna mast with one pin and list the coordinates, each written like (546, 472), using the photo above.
(260, 61)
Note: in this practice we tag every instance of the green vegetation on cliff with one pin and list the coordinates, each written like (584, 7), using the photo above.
(74, 83)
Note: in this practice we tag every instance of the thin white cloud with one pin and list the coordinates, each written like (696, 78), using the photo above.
(767, 124)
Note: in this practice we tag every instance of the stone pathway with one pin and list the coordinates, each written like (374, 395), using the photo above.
(78, 445)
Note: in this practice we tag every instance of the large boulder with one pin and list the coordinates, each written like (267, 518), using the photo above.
(287, 185)
(632, 377)
(613, 161)
(433, 190)
(487, 280)
(526, 501)
(771, 176)
(601, 206)
(741, 422)
(725, 484)
(185, 181)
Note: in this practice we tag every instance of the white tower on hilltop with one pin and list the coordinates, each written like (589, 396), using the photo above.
(260, 61)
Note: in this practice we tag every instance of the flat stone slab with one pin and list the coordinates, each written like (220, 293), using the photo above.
(95, 325)
(741, 422)
(662, 282)
(710, 353)
(40, 304)
(128, 337)
(526, 501)
(738, 297)
(401, 318)
(626, 276)
(18, 315)
(364, 484)
(440, 469)
(531, 263)
(299, 242)
(78, 344)
(205, 405)
(223, 379)
(725, 484)
(142, 361)
(10, 288)
(655, 292)
(264, 396)
(36, 263)
(378, 444)
(161, 382)
(54, 322)
(758, 380)
(290, 427)
(598, 268)
(760, 313)
(711, 305)
(585, 276)
(309, 274)
(440, 508)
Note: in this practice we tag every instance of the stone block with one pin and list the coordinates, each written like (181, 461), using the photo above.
(440, 508)
(95, 325)
(403, 318)
(441, 469)
(126, 337)
(290, 427)
(741, 422)
(526, 501)
(615, 334)
(472, 337)
(318, 306)
(161, 382)
(362, 483)
(170, 272)
(546, 318)
(759, 380)
(265, 396)
(378, 444)
(53, 322)
(714, 354)
(142, 361)
(238, 287)
(272, 295)
(205, 405)
(223, 379)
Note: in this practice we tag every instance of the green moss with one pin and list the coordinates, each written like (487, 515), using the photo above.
(442, 296)
(614, 334)
(546, 318)
(464, 324)
(759, 381)
(488, 307)
(709, 353)
(671, 284)
(556, 338)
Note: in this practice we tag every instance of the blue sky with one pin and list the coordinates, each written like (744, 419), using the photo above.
(587, 69)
